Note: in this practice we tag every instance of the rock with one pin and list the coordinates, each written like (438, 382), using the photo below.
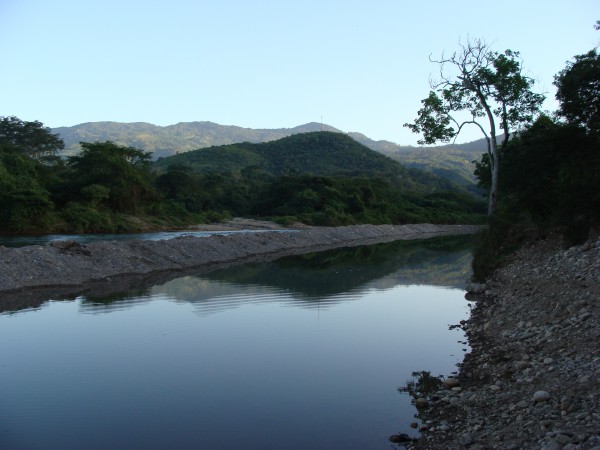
(541, 396)
(421, 402)
(476, 288)
(552, 445)
(65, 244)
(401, 438)
(536, 331)
(563, 439)
(450, 383)
(466, 439)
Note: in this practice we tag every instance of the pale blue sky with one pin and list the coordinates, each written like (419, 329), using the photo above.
(362, 65)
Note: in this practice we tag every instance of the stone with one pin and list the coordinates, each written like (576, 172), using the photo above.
(451, 383)
(476, 288)
(541, 396)
(64, 244)
(421, 402)
(466, 439)
(552, 445)
(401, 438)
(563, 439)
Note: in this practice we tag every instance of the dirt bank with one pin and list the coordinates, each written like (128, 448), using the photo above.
(67, 267)
(532, 378)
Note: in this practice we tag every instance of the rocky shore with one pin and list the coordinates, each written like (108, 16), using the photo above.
(29, 274)
(532, 377)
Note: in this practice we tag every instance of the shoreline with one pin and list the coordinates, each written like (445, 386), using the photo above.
(68, 268)
(532, 377)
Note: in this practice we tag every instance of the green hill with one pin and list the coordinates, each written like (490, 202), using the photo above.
(319, 153)
(453, 162)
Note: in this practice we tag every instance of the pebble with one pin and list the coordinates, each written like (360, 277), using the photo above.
(532, 377)
(541, 396)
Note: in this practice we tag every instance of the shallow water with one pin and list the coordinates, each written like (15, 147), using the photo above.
(22, 241)
(304, 352)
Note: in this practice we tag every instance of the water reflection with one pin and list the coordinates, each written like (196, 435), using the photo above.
(304, 352)
(315, 280)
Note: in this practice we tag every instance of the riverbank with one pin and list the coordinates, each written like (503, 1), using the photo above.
(68, 268)
(532, 378)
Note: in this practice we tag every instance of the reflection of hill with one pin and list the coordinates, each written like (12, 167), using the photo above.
(439, 262)
(318, 279)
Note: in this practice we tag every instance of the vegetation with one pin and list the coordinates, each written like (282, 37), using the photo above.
(491, 88)
(319, 178)
(454, 162)
(550, 180)
(318, 153)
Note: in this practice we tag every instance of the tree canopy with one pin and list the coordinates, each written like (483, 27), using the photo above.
(124, 172)
(578, 91)
(491, 88)
(32, 138)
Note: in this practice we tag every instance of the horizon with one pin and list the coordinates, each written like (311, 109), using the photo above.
(441, 144)
(361, 68)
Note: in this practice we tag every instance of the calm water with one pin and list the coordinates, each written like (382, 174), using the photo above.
(303, 353)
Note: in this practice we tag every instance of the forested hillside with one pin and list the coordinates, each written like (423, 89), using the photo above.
(319, 153)
(173, 139)
(454, 162)
(321, 178)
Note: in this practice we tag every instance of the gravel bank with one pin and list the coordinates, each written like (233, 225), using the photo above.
(532, 378)
(67, 264)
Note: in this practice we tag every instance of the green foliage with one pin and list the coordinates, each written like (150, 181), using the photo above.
(578, 91)
(318, 153)
(490, 87)
(123, 172)
(31, 138)
(24, 203)
(111, 188)
(333, 201)
(550, 172)
(84, 218)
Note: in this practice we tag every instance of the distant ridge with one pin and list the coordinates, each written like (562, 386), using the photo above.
(452, 161)
(172, 139)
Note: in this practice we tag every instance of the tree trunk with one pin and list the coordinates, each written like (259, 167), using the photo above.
(494, 186)
(494, 167)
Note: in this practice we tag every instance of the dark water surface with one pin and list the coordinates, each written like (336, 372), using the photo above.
(307, 352)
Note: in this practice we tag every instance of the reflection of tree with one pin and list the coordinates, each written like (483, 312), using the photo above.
(422, 385)
(437, 261)
(314, 279)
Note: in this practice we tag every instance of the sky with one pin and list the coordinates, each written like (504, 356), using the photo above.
(360, 66)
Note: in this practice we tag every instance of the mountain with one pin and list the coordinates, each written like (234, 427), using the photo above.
(323, 153)
(173, 139)
(451, 161)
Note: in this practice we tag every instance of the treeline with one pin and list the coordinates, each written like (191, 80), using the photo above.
(550, 173)
(113, 188)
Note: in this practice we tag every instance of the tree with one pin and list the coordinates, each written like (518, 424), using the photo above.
(33, 138)
(489, 86)
(124, 171)
(578, 91)
(24, 202)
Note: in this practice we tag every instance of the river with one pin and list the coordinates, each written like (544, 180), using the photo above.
(304, 352)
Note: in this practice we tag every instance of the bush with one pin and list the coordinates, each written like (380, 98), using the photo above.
(82, 218)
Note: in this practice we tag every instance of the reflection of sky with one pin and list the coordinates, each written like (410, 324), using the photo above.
(250, 353)
(259, 369)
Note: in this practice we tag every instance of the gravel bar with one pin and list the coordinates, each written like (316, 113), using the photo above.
(67, 263)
